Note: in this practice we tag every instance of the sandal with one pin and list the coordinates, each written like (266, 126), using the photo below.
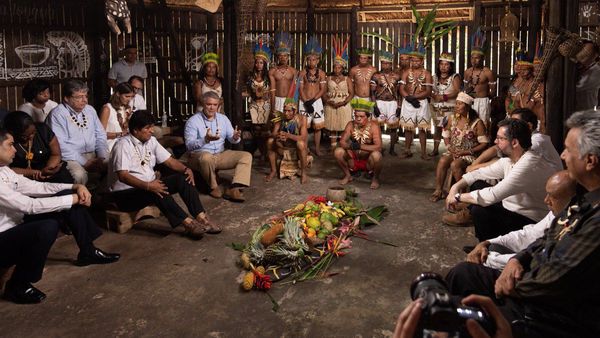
(209, 227)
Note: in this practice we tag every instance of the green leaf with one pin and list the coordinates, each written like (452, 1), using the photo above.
(236, 246)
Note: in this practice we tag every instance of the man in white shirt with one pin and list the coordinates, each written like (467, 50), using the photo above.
(122, 70)
(540, 144)
(496, 252)
(138, 102)
(29, 226)
(517, 200)
(135, 185)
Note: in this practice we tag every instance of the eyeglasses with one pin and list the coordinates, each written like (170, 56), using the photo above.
(79, 97)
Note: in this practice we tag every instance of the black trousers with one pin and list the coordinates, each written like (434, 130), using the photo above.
(27, 246)
(136, 199)
(79, 221)
(526, 318)
(494, 220)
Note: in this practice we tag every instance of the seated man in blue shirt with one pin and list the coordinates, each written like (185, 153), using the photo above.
(205, 135)
(80, 134)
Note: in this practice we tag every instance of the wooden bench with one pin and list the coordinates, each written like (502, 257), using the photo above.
(290, 163)
(121, 221)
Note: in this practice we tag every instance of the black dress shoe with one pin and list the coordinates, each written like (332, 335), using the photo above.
(468, 248)
(23, 294)
(97, 257)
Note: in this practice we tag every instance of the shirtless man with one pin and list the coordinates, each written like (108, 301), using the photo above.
(520, 91)
(480, 83)
(313, 85)
(360, 145)
(281, 76)
(415, 88)
(384, 92)
(404, 54)
(361, 74)
(290, 131)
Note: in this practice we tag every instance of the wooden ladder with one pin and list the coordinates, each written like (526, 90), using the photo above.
(170, 78)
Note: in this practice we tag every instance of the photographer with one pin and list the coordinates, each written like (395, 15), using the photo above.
(408, 321)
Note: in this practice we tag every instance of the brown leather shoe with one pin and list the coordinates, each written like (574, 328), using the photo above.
(461, 218)
(216, 193)
(234, 195)
(194, 230)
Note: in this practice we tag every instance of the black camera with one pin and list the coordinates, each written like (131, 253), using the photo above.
(442, 311)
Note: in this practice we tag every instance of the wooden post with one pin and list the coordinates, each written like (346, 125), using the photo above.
(535, 22)
(231, 103)
(99, 86)
(560, 79)
(310, 18)
(353, 45)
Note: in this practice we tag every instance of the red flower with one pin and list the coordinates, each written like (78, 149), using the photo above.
(317, 199)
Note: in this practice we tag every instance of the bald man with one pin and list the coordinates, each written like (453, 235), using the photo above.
(495, 253)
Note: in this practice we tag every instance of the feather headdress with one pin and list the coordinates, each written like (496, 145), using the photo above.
(523, 58)
(283, 43)
(428, 31)
(262, 50)
(340, 53)
(209, 57)
(360, 104)
(385, 56)
(313, 47)
(405, 48)
(478, 40)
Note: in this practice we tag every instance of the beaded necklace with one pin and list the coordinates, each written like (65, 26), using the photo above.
(145, 159)
(204, 117)
(73, 115)
(312, 78)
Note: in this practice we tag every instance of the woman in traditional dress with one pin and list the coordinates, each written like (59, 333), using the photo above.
(114, 115)
(340, 91)
(208, 80)
(38, 154)
(258, 88)
(446, 85)
(465, 138)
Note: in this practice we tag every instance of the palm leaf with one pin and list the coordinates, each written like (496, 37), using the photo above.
(387, 39)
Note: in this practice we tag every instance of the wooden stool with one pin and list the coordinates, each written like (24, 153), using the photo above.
(290, 164)
(121, 221)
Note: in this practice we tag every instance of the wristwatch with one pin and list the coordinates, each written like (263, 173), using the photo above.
(457, 197)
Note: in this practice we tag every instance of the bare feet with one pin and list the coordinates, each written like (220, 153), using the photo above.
(393, 152)
(269, 177)
(405, 154)
(425, 157)
(319, 152)
(303, 178)
(434, 153)
(436, 196)
(374, 183)
(345, 180)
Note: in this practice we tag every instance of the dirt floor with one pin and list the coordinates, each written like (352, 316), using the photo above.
(169, 285)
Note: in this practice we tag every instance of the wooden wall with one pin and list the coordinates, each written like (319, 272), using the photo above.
(75, 24)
